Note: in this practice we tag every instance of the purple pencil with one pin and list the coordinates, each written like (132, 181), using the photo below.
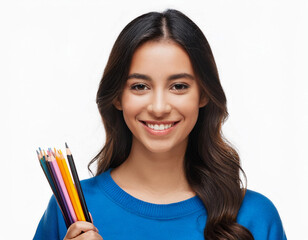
(66, 209)
(63, 188)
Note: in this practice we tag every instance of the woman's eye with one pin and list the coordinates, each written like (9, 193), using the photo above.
(139, 87)
(179, 87)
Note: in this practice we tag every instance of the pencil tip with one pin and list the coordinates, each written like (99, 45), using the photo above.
(66, 145)
(37, 152)
(40, 149)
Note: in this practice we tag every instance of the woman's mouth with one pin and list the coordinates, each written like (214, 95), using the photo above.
(159, 127)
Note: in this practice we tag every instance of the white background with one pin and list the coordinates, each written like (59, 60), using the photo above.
(52, 57)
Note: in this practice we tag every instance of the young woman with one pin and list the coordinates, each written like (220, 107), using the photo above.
(165, 172)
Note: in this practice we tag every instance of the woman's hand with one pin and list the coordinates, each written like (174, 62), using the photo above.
(82, 230)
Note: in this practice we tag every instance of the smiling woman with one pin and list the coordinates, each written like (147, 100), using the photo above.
(165, 171)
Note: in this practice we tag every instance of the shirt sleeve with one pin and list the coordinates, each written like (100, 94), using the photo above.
(260, 216)
(51, 225)
(275, 227)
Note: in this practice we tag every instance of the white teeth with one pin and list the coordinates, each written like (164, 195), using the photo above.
(159, 127)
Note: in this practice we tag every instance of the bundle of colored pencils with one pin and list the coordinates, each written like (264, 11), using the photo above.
(68, 195)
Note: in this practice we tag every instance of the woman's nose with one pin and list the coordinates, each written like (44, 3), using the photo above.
(159, 105)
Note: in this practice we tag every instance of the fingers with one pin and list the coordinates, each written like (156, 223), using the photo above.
(89, 235)
(78, 227)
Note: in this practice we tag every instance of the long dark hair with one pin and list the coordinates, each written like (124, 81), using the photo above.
(212, 166)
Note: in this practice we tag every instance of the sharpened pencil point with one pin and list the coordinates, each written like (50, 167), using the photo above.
(66, 145)
(38, 155)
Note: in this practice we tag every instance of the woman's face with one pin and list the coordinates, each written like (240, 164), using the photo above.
(161, 98)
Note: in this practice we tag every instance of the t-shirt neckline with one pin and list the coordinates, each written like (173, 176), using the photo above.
(147, 209)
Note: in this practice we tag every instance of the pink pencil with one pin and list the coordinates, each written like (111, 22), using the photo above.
(66, 196)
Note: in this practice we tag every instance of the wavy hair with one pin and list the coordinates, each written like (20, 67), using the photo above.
(212, 165)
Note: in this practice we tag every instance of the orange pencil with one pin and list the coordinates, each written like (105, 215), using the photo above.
(70, 186)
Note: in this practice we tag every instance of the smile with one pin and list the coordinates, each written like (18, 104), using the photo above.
(159, 127)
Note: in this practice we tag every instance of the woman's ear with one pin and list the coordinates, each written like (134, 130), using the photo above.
(203, 100)
(117, 104)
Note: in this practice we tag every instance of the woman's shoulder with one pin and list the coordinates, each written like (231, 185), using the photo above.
(257, 203)
(259, 214)
(257, 199)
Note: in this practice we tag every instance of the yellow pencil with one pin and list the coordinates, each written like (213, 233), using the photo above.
(71, 188)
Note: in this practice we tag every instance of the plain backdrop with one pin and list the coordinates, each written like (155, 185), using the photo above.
(52, 56)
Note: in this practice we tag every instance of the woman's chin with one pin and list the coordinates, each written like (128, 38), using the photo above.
(159, 148)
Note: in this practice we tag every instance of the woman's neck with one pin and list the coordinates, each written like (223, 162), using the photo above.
(148, 175)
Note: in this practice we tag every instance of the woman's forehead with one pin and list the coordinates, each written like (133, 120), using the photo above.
(163, 57)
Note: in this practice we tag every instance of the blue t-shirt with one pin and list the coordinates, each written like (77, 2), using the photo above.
(119, 216)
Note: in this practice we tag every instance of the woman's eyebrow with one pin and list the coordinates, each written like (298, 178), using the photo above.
(171, 77)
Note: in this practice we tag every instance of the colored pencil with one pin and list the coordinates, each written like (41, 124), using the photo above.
(58, 196)
(77, 183)
(68, 184)
(61, 196)
(67, 200)
(63, 186)
(71, 188)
